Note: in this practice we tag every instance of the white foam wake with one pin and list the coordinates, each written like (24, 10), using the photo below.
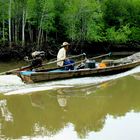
(8, 80)
(11, 84)
(35, 89)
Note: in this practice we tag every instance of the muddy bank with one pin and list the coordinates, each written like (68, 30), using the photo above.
(105, 47)
(18, 52)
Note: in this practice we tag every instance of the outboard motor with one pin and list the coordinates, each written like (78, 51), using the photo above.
(37, 58)
(90, 64)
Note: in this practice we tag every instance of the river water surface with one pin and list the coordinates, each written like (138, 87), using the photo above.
(91, 108)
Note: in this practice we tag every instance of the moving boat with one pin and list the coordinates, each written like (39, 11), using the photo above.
(111, 67)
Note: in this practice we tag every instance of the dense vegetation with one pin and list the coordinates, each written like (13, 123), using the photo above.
(45, 24)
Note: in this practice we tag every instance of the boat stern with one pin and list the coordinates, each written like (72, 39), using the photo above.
(25, 76)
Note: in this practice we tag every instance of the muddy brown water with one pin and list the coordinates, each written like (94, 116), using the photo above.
(88, 108)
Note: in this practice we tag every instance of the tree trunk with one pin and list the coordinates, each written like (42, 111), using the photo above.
(23, 27)
(10, 3)
(16, 31)
(40, 30)
(42, 37)
(46, 39)
(30, 33)
(39, 33)
(13, 30)
(3, 30)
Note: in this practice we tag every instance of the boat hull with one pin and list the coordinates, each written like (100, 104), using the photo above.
(57, 75)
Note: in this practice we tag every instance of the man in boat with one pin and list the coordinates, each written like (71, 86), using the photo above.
(62, 60)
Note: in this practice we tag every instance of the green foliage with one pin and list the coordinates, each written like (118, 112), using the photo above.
(135, 34)
(49, 15)
(41, 13)
(114, 12)
(77, 20)
(133, 12)
(118, 14)
(3, 21)
(83, 20)
(3, 10)
(118, 36)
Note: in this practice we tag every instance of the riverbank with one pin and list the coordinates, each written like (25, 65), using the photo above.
(18, 53)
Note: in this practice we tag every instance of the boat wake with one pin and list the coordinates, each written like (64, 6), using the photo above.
(11, 84)
(9, 80)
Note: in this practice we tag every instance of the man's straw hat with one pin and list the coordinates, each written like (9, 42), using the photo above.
(65, 44)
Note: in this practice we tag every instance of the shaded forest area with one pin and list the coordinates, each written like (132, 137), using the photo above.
(91, 26)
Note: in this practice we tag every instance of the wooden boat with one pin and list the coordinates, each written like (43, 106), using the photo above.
(47, 75)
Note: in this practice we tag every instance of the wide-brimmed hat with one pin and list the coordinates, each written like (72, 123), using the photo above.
(65, 44)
